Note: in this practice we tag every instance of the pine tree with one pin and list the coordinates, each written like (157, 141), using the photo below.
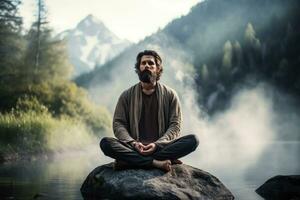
(11, 43)
(253, 51)
(204, 73)
(40, 21)
(12, 47)
(250, 37)
(46, 58)
(9, 19)
(227, 56)
(238, 54)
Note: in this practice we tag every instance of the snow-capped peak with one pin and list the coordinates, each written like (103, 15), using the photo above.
(92, 26)
(92, 43)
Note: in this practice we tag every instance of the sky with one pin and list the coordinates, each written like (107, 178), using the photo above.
(130, 19)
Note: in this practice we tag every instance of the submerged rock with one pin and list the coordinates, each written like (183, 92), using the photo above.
(182, 182)
(281, 188)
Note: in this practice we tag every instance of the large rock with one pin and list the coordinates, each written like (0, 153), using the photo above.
(183, 182)
(281, 188)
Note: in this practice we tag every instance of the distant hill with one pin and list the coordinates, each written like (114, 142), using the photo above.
(91, 43)
(238, 43)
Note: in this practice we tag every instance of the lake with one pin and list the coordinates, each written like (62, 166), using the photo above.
(62, 176)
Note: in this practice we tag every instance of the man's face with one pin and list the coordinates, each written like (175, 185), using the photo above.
(148, 69)
(148, 62)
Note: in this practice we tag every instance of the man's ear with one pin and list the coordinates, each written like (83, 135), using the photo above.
(159, 68)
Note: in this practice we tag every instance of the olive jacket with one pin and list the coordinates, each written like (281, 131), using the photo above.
(128, 111)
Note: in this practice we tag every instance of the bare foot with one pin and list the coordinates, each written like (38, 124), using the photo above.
(176, 161)
(162, 164)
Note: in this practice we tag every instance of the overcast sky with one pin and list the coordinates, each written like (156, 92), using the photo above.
(130, 19)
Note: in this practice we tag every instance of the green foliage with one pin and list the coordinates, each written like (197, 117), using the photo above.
(53, 59)
(29, 104)
(41, 109)
(24, 131)
(204, 73)
(12, 45)
(29, 132)
(250, 36)
(9, 19)
(227, 57)
(68, 133)
(62, 98)
(65, 98)
(30, 128)
(258, 46)
(237, 54)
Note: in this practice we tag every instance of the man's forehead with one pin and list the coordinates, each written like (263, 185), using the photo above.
(147, 57)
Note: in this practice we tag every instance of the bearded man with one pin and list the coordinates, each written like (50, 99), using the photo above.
(147, 122)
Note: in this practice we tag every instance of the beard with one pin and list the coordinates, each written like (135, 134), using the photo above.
(147, 77)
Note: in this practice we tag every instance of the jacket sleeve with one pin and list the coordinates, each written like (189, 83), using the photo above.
(173, 130)
(120, 120)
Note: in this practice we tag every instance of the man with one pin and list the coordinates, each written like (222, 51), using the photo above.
(147, 121)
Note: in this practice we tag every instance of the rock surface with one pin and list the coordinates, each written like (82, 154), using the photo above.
(281, 188)
(182, 182)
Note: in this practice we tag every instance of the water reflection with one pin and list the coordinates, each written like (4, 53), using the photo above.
(59, 178)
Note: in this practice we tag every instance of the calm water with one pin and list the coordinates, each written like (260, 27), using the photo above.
(61, 178)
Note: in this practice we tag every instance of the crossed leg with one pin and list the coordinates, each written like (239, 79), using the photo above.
(122, 151)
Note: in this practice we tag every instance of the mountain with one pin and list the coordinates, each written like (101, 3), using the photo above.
(218, 49)
(239, 43)
(226, 43)
(91, 43)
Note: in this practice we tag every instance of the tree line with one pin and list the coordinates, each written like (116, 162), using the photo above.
(37, 94)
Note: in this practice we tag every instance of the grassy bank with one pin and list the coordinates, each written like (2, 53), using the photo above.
(30, 129)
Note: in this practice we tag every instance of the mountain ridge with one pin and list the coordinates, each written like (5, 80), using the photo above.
(91, 43)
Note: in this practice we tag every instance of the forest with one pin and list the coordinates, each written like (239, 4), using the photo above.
(39, 103)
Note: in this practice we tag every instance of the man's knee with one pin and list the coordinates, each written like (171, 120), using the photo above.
(194, 141)
(105, 144)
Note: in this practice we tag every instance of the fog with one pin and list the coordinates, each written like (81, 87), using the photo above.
(253, 139)
(233, 140)
(239, 136)
(241, 145)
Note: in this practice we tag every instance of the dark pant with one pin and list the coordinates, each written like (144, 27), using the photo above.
(176, 149)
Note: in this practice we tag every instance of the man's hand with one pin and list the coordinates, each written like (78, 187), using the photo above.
(138, 146)
(148, 149)
(144, 149)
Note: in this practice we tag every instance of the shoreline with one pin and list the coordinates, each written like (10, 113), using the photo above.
(14, 156)
(8, 158)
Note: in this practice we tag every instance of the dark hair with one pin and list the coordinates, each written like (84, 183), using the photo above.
(157, 59)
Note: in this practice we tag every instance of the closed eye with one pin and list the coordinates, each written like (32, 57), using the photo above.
(149, 63)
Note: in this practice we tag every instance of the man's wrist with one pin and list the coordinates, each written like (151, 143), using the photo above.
(132, 143)
(157, 145)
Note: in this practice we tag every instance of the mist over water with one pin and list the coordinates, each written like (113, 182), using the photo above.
(243, 146)
(238, 135)
(233, 140)
(255, 138)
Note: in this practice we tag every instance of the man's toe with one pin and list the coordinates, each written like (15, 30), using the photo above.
(176, 161)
